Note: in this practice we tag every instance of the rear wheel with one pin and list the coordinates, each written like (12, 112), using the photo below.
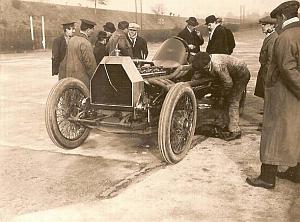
(63, 103)
(177, 123)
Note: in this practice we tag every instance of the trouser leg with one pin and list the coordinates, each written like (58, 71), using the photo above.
(268, 173)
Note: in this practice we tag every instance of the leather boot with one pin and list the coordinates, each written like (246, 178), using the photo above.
(292, 174)
(266, 179)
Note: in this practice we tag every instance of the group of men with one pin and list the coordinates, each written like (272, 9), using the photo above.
(278, 79)
(74, 56)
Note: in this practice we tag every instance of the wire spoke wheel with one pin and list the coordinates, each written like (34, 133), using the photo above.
(177, 123)
(63, 104)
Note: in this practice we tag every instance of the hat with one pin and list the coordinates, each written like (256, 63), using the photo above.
(133, 26)
(289, 6)
(109, 27)
(200, 60)
(68, 24)
(192, 21)
(88, 23)
(267, 20)
(102, 35)
(123, 25)
(210, 19)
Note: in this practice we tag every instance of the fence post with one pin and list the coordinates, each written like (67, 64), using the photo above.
(43, 33)
(31, 30)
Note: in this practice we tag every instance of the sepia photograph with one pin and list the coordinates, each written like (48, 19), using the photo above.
(149, 110)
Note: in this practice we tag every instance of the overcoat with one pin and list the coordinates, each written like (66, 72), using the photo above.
(139, 48)
(81, 62)
(59, 48)
(192, 38)
(218, 42)
(265, 56)
(99, 51)
(119, 40)
(280, 140)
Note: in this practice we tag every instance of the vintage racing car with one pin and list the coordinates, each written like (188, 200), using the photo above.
(135, 96)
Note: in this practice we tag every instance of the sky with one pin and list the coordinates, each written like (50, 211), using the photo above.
(198, 8)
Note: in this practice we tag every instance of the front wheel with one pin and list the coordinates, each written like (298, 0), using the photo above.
(177, 123)
(65, 102)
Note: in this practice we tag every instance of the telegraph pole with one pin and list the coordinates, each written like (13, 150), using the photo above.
(141, 4)
(136, 12)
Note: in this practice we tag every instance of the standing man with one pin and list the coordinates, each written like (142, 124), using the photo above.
(217, 43)
(81, 62)
(138, 44)
(118, 42)
(280, 140)
(193, 38)
(59, 48)
(99, 49)
(268, 25)
(234, 76)
(109, 28)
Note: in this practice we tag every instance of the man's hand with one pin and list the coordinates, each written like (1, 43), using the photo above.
(191, 46)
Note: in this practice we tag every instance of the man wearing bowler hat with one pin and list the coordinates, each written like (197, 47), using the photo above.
(99, 49)
(280, 133)
(193, 38)
(59, 48)
(217, 43)
(81, 62)
(109, 28)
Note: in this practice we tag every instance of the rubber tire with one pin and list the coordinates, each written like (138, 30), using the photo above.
(50, 113)
(164, 142)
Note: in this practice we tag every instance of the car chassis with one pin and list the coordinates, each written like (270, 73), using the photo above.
(134, 96)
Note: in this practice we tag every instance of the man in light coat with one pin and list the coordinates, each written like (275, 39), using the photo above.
(138, 44)
(280, 141)
(81, 62)
(268, 25)
(234, 77)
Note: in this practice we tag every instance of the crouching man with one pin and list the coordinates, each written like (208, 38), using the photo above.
(234, 77)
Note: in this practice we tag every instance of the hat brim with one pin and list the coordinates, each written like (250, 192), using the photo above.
(192, 23)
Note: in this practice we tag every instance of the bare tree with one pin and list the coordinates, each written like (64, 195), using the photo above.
(100, 2)
(159, 9)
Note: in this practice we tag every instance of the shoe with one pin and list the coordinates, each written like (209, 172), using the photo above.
(233, 136)
(289, 174)
(258, 182)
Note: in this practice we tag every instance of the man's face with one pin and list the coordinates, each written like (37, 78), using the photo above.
(132, 32)
(70, 31)
(191, 27)
(267, 28)
(211, 26)
(126, 31)
(90, 31)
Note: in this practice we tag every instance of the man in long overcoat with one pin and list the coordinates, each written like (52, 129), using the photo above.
(217, 43)
(280, 141)
(81, 62)
(193, 38)
(268, 25)
(59, 48)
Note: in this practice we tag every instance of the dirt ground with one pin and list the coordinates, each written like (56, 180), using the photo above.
(118, 178)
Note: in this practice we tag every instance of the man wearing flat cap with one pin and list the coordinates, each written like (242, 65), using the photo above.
(234, 76)
(193, 38)
(81, 62)
(118, 42)
(217, 43)
(280, 133)
(59, 48)
(268, 26)
(138, 44)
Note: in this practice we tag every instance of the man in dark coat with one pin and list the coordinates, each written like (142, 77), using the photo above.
(138, 44)
(59, 48)
(81, 62)
(193, 38)
(109, 28)
(99, 49)
(217, 43)
(280, 134)
(234, 77)
(268, 25)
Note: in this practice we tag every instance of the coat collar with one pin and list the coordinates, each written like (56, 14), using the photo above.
(291, 25)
